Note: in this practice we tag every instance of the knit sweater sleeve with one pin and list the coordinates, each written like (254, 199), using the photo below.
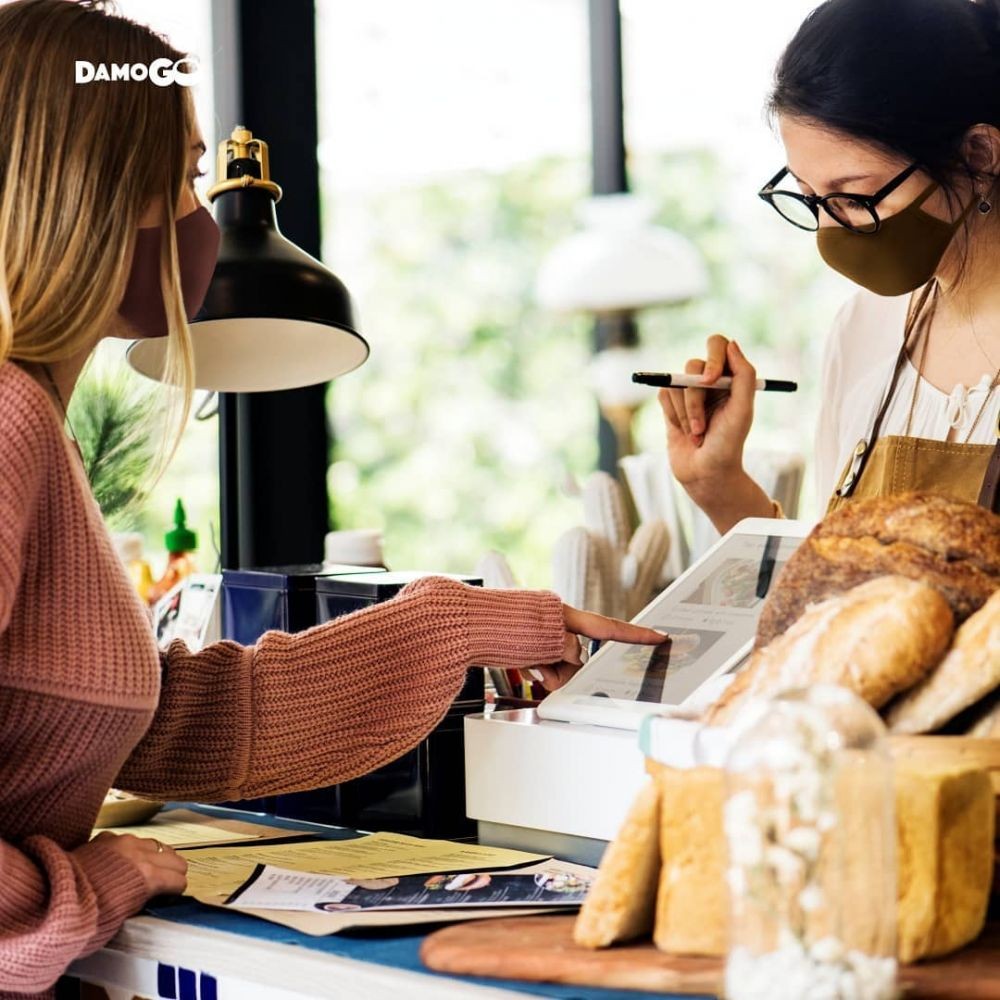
(57, 906)
(24, 445)
(319, 707)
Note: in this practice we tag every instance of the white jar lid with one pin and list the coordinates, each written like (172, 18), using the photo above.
(357, 547)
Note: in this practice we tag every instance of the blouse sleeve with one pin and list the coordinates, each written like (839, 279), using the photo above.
(829, 449)
(319, 707)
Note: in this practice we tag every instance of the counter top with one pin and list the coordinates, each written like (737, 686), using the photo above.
(179, 949)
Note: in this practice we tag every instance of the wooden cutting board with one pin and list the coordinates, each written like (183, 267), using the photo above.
(541, 950)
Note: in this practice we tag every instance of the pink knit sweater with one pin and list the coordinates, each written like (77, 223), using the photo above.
(84, 705)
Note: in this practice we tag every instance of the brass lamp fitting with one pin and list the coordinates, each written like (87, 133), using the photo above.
(241, 145)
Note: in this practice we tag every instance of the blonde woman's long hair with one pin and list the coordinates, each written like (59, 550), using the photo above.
(78, 165)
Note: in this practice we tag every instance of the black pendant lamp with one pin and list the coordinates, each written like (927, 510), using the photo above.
(274, 317)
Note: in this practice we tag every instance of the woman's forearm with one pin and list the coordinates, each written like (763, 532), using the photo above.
(739, 498)
(323, 706)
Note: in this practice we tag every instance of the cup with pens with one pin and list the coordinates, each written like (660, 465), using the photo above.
(515, 689)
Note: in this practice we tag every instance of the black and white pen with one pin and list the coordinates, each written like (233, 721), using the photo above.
(669, 380)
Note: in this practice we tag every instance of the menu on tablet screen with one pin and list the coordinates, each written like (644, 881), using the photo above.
(710, 615)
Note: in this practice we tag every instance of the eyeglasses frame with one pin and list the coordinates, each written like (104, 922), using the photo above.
(815, 202)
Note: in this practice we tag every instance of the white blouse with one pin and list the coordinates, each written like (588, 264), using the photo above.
(858, 360)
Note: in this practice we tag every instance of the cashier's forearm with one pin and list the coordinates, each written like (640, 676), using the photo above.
(727, 503)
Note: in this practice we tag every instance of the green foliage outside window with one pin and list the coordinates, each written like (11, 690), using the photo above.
(462, 430)
(111, 418)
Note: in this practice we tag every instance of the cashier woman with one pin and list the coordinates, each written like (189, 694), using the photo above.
(94, 179)
(889, 112)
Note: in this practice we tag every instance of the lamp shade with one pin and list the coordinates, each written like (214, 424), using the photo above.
(620, 261)
(274, 317)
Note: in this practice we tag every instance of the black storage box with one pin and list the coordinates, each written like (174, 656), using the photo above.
(275, 597)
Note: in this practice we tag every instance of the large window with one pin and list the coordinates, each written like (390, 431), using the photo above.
(454, 151)
(455, 147)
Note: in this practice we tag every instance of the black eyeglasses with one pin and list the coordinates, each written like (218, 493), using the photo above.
(853, 211)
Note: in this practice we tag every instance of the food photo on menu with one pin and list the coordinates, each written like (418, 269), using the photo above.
(270, 887)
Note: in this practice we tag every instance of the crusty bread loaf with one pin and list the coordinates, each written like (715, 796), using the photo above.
(969, 671)
(952, 529)
(945, 825)
(876, 639)
(692, 904)
(621, 904)
(944, 854)
(953, 546)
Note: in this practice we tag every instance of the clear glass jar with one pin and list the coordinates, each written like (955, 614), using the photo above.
(810, 831)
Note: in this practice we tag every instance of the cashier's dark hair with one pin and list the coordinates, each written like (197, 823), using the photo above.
(909, 76)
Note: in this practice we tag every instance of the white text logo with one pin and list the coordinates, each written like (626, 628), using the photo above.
(161, 72)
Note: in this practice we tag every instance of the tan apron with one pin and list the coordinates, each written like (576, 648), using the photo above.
(899, 463)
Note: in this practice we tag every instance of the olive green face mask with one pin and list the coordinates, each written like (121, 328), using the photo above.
(901, 255)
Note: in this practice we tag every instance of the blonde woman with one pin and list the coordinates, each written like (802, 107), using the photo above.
(87, 173)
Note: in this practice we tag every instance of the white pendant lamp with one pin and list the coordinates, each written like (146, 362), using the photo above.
(620, 261)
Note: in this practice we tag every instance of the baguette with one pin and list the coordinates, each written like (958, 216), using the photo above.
(969, 672)
(876, 639)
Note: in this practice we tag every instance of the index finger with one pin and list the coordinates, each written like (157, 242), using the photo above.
(715, 360)
(596, 626)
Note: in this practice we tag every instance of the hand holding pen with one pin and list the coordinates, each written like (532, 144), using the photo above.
(690, 408)
(706, 432)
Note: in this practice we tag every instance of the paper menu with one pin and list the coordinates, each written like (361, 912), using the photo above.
(213, 874)
(187, 828)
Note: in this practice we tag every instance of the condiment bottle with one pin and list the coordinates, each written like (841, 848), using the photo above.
(130, 550)
(180, 542)
(810, 831)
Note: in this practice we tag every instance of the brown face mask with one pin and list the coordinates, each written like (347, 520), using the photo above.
(901, 255)
(198, 240)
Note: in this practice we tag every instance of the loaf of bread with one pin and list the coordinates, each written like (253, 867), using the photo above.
(692, 904)
(877, 639)
(953, 546)
(944, 855)
(622, 900)
(969, 672)
(944, 851)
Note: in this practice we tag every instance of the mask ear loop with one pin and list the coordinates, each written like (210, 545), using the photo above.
(924, 195)
(929, 190)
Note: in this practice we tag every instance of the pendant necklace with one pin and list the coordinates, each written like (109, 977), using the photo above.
(62, 406)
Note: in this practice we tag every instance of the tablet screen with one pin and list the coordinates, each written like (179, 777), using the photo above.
(710, 615)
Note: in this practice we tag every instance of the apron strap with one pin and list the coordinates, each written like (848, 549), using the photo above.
(989, 495)
(863, 448)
